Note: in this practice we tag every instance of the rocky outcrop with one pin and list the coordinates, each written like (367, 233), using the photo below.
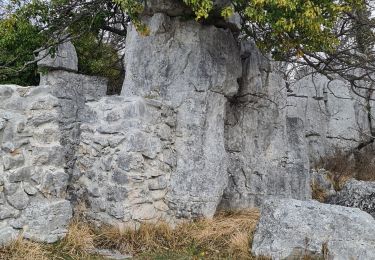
(334, 117)
(193, 69)
(266, 148)
(219, 127)
(33, 182)
(292, 228)
(357, 194)
(73, 91)
(203, 122)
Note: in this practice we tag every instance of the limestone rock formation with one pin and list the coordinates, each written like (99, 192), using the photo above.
(203, 122)
(357, 194)
(291, 228)
(193, 69)
(334, 117)
(63, 58)
(266, 149)
(196, 69)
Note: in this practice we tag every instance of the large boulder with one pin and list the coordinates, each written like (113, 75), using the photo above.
(292, 228)
(357, 194)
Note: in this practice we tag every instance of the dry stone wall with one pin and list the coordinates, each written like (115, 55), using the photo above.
(125, 159)
(33, 182)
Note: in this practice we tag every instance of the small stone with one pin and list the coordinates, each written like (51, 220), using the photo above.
(357, 194)
(44, 118)
(130, 161)
(157, 183)
(65, 58)
(7, 235)
(143, 212)
(54, 182)
(2, 123)
(8, 212)
(29, 189)
(119, 176)
(21, 174)
(291, 228)
(19, 199)
(14, 160)
(44, 220)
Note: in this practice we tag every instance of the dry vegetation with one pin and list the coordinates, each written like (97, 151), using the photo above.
(318, 193)
(342, 167)
(227, 236)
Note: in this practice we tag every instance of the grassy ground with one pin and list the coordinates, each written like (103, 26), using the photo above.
(227, 236)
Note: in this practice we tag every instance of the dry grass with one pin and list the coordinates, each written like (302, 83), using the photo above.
(78, 243)
(21, 249)
(226, 236)
(318, 193)
(343, 166)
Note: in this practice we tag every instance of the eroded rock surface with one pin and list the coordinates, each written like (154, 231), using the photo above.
(357, 194)
(334, 117)
(63, 58)
(291, 228)
(266, 148)
(193, 69)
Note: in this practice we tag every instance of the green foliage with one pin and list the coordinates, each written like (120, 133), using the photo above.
(286, 27)
(18, 39)
(201, 8)
(98, 58)
(30, 25)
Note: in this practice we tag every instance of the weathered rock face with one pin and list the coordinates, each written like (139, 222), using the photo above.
(290, 228)
(64, 58)
(33, 182)
(193, 69)
(357, 194)
(333, 117)
(248, 141)
(125, 159)
(267, 150)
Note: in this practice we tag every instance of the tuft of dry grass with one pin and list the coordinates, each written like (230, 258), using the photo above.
(78, 242)
(343, 166)
(21, 249)
(227, 236)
